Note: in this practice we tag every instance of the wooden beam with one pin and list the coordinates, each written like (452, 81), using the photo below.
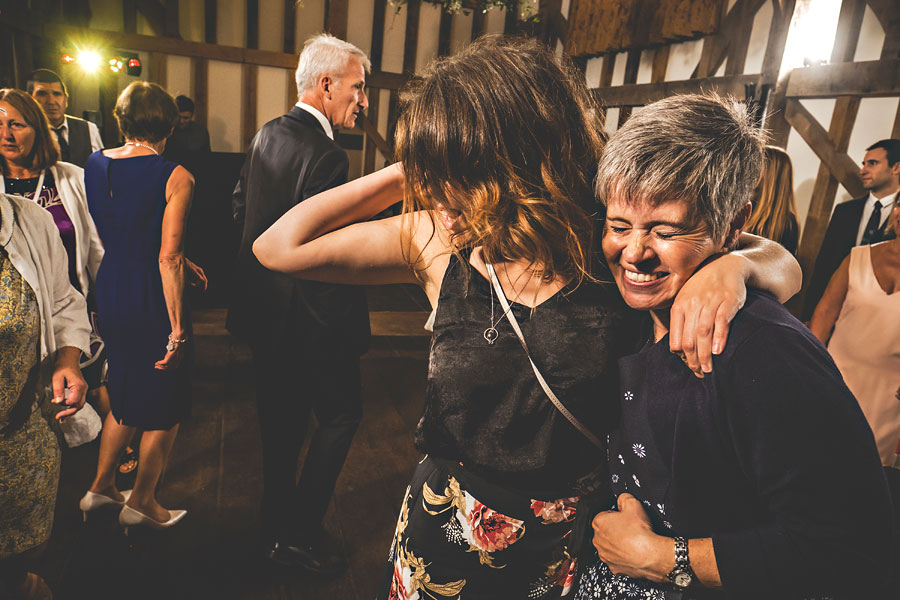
(336, 12)
(172, 27)
(377, 34)
(889, 17)
(895, 130)
(210, 16)
(739, 42)
(511, 19)
(155, 14)
(716, 48)
(444, 33)
(825, 188)
(847, 35)
(841, 166)
(660, 64)
(200, 85)
(17, 15)
(291, 97)
(632, 64)
(157, 70)
(148, 43)
(290, 26)
(129, 16)
(253, 24)
(109, 93)
(867, 79)
(477, 23)
(372, 116)
(372, 132)
(645, 93)
(249, 79)
(411, 39)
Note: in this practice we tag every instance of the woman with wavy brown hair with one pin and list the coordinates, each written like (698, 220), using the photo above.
(774, 214)
(497, 149)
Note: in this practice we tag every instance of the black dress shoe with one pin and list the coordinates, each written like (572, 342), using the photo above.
(312, 558)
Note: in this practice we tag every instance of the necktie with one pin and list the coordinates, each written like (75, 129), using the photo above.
(872, 227)
(63, 145)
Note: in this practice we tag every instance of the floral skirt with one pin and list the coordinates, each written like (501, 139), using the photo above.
(459, 536)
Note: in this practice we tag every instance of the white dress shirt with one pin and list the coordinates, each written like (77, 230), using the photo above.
(96, 140)
(319, 116)
(885, 202)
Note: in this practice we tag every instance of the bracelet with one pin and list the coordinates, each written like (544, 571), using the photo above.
(173, 342)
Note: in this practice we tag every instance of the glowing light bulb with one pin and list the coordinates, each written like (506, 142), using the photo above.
(811, 35)
(89, 61)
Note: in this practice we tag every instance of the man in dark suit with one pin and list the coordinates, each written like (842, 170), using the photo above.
(77, 138)
(858, 222)
(306, 337)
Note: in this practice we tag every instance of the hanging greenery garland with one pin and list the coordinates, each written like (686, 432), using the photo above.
(466, 6)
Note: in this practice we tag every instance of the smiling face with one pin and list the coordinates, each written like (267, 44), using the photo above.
(653, 251)
(16, 136)
(876, 174)
(53, 100)
(346, 95)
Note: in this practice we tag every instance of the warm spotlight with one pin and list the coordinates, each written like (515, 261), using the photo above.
(89, 60)
(811, 35)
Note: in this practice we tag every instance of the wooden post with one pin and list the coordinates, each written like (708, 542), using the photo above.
(253, 23)
(210, 15)
(200, 79)
(157, 70)
(249, 78)
(444, 33)
(290, 26)
(336, 12)
(631, 71)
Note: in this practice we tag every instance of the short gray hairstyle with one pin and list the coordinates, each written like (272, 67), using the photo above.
(324, 54)
(702, 149)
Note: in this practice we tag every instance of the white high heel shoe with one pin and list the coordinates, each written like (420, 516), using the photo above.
(91, 501)
(130, 517)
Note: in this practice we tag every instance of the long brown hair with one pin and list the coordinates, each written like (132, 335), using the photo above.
(45, 151)
(506, 132)
(773, 201)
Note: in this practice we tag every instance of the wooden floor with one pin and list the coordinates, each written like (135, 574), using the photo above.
(215, 473)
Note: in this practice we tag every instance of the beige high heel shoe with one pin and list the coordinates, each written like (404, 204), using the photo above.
(130, 517)
(91, 501)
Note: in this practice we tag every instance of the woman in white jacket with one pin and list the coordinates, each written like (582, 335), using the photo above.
(43, 331)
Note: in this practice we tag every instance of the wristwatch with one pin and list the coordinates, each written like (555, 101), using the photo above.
(682, 575)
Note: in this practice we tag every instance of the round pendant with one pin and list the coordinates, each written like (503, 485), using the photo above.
(491, 335)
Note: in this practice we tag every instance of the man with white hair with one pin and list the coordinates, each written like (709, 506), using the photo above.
(306, 338)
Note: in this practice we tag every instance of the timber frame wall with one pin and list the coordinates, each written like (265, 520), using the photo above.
(843, 80)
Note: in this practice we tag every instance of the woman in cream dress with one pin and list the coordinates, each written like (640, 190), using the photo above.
(860, 313)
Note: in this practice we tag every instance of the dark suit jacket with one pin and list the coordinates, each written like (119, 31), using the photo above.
(79, 140)
(290, 159)
(840, 237)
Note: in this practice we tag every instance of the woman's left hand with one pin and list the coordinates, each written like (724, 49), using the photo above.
(195, 275)
(172, 358)
(625, 541)
(703, 309)
(69, 386)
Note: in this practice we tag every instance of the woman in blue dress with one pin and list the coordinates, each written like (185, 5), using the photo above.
(140, 203)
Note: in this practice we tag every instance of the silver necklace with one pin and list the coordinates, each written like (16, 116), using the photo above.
(491, 334)
(150, 148)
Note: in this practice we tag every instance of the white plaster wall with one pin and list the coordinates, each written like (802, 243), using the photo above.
(192, 20)
(224, 114)
(645, 67)
(494, 20)
(618, 77)
(271, 25)
(178, 76)
(592, 71)
(683, 59)
(871, 38)
(759, 38)
(359, 23)
(106, 15)
(460, 31)
(231, 23)
(429, 31)
(393, 40)
(271, 90)
(310, 20)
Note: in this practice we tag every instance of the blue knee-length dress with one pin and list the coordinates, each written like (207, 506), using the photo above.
(127, 199)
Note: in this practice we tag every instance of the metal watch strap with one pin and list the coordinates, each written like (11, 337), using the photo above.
(556, 402)
(681, 575)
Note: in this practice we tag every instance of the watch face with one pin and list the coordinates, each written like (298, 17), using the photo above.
(683, 580)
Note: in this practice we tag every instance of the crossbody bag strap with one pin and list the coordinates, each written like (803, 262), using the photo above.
(556, 401)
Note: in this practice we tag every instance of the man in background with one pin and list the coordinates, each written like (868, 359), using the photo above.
(858, 222)
(77, 138)
(305, 337)
(189, 143)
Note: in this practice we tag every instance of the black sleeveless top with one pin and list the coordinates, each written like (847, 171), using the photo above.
(484, 406)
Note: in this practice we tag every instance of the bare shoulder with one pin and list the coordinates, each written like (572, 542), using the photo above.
(180, 181)
(430, 246)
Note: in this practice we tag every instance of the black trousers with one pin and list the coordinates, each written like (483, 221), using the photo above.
(291, 382)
